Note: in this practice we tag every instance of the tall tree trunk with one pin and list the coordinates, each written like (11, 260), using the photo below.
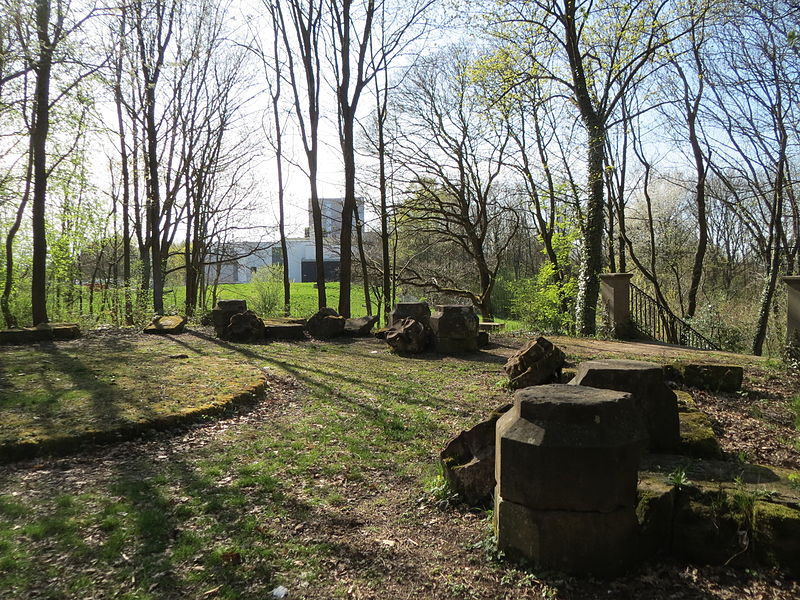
(363, 258)
(592, 248)
(41, 125)
(126, 197)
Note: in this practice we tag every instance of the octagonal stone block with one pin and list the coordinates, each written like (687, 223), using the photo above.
(569, 448)
(656, 402)
(573, 542)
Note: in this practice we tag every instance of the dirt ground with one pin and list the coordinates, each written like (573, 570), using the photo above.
(391, 542)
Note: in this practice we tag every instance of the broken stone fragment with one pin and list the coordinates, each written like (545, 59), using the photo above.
(536, 363)
(408, 336)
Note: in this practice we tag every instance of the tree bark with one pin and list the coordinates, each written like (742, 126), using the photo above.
(41, 126)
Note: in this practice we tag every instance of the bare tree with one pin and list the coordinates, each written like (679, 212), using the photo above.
(454, 154)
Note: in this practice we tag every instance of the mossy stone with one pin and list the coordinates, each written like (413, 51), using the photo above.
(697, 435)
(777, 536)
(655, 511)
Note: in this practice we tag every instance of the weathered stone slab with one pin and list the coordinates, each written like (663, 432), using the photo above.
(325, 324)
(41, 333)
(536, 363)
(572, 542)
(455, 329)
(645, 381)
(419, 311)
(408, 336)
(284, 330)
(697, 433)
(714, 378)
(468, 461)
(361, 326)
(171, 324)
(566, 447)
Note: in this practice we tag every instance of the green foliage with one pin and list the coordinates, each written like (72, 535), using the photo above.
(266, 292)
(545, 303)
(678, 478)
(711, 323)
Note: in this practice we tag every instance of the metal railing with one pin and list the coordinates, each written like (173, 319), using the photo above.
(658, 323)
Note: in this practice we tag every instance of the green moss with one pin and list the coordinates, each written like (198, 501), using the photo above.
(697, 435)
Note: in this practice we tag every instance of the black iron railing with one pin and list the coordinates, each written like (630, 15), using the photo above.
(656, 322)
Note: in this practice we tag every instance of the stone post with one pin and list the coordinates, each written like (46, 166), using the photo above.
(566, 460)
(615, 290)
(792, 311)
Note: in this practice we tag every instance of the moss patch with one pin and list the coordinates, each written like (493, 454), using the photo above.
(55, 396)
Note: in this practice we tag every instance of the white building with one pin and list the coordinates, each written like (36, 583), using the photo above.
(247, 258)
(242, 260)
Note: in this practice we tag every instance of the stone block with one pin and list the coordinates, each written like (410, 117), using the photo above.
(455, 329)
(714, 378)
(566, 447)
(325, 324)
(225, 309)
(419, 311)
(408, 336)
(361, 326)
(171, 324)
(282, 330)
(602, 544)
(43, 332)
(537, 362)
(645, 381)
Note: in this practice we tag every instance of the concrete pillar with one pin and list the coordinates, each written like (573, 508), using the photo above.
(615, 290)
(792, 310)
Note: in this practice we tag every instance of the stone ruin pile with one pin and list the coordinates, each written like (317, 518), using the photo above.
(452, 329)
(560, 466)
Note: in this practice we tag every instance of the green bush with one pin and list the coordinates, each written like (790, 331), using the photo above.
(543, 304)
(266, 292)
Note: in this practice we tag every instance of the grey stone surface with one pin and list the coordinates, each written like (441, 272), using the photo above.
(573, 542)
(41, 333)
(284, 330)
(537, 362)
(468, 460)
(455, 329)
(244, 327)
(408, 336)
(657, 403)
(225, 309)
(419, 311)
(325, 324)
(565, 447)
(361, 326)
(167, 325)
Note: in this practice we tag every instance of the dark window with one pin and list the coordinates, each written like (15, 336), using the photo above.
(309, 271)
(277, 255)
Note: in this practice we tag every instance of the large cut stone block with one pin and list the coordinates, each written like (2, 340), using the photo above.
(566, 447)
(455, 329)
(419, 311)
(645, 381)
(568, 541)
(325, 324)
(225, 309)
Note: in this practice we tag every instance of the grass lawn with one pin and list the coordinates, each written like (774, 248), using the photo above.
(329, 486)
